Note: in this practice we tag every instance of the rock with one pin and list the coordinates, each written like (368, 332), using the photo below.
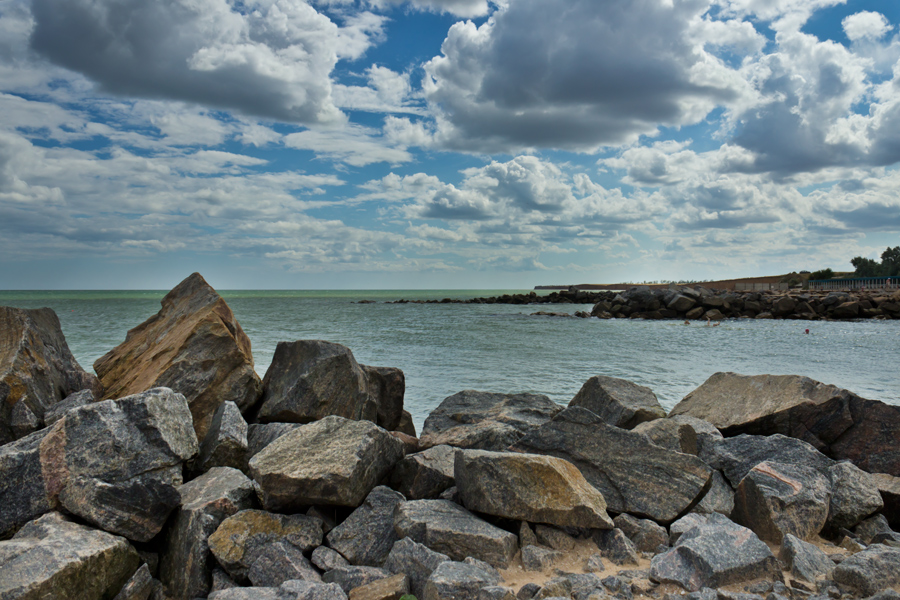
(410, 443)
(870, 527)
(260, 435)
(776, 499)
(736, 456)
(391, 588)
(37, 370)
(554, 537)
(681, 303)
(279, 562)
(618, 402)
(851, 545)
(388, 386)
(646, 535)
(367, 535)
(714, 554)
(633, 474)
(854, 496)
(889, 488)
(537, 558)
(74, 400)
(783, 306)
(526, 535)
(459, 580)
(225, 444)
(186, 564)
(22, 483)
(485, 421)
(528, 487)
(238, 541)
(415, 560)
(581, 586)
(616, 546)
(833, 420)
(685, 523)
(498, 592)
(406, 424)
(249, 594)
(194, 346)
(847, 310)
(719, 498)
(312, 379)
(669, 434)
(868, 572)
(331, 461)
(424, 475)
(140, 586)
(804, 560)
(327, 559)
(714, 315)
(452, 530)
(352, 577)
(52, 557)
(594, 564)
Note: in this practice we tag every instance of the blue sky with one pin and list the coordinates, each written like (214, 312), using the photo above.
(443, 143)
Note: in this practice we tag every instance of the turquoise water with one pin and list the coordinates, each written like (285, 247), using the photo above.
(445, 348)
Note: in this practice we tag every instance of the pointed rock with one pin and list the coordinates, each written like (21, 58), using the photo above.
(388, 386)
(618, 402)
(225, 444)
(736, 456)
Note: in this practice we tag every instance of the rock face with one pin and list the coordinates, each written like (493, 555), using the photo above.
(424, 475)
(485, 421)
(834, 420)
(633, 474)
(529, 487)
(37, 370)
(618, 402)
(55, 558)
(868, 572)
(331, 461)
(367, 535)
(195, 346)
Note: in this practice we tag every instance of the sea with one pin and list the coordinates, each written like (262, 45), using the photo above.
(447, 348)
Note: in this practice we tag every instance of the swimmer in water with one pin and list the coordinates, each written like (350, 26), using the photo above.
(807, 331)
(687, 322)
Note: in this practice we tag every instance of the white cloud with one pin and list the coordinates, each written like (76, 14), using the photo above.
(865, 24)
(460, 8)
(353, 145)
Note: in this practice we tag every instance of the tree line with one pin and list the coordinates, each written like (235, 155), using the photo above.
(869, 267)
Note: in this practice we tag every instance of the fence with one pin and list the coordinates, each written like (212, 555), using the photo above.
(759, 287)
(859, 283)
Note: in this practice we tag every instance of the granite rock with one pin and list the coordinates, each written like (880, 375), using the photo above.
(140, 586)
(278, 562)
(225, 444)
(352, 577)
(670, 434)
(390, 588)
(326, 558)
(871, 571)
(367, 535)
(646, 535)
(416, 561)
(854, 496)
(387, 385)
(74, 400)
(554, 537)
(719, 498)
(459, 580)
(260, 435)
(615, 546)
(538, 558)
(424, 475)
(736, 456)
(804, 560)
(618, 402)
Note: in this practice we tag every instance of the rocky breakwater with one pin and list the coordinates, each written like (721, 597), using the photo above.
(318, 489)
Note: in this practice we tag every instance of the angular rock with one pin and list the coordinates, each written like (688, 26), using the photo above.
(618, 402)
(554, 537)
(279, 562)
(186, 563)
(736, 456)
(367, 535)
(260, 435)
(22, 484)
(871, 527)
(52, 557)
(140, 586)
(416, 561)
(854, 495)
(238, 541)
(847, 310)
(195, 346)
(776, 499)
(538, 558)
(646, 535)
(352, 577)
(459, 580)
(410, 443)
(681, 303)
(633, 474)
(868, 572)
(406, 424)
(225, 444)
(308, 590)
(424, 475)
(331, 461)
(388, 386)
(714, 554)
(581, 586)
(529, 487)
(685, 523)
(669, 434)
(37, 369)
(804, 560)
(326, 559)
(526, 535)
(615, 546)
(391, 588)
(497, 592)
(75, 400)
(485, 421)
(889, 488)
(705, 432)
(448, 528)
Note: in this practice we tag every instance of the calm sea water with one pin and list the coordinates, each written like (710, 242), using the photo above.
(445, 348)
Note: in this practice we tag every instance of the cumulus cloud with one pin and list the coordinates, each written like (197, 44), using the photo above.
(865, 24)
(460, 8)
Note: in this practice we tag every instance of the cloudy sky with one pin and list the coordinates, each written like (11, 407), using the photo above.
(443, 143)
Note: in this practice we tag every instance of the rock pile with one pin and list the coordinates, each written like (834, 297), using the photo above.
(311, 485)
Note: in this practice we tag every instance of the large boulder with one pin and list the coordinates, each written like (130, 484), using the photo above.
(736, 456)
(460, 580)
(529, 487)
(868, 572)
(37, 370)
(485, 421)
(618, 402)
(633, 474)
(367, 535)
(388, 386)
(424, 475)
(834, 420)
(804, 560)
(416, 561)
(193, 345)
(333, 461)
(52, 557)
(854, 495)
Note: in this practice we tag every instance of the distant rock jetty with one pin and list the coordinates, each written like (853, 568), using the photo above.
(178, 474)
(700, 303)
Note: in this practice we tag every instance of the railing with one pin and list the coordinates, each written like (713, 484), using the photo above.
(759, 287)
(858, 283)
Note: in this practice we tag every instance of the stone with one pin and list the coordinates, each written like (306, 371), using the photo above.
(225, 444)
(221, 580)
(869, 528)
(776, 499)
(406, 424)
(388, 386)
(681, 303)
(719, 498)
(715, 554)
(736, 456)
(37, 370)
(194, 346)
(139, 587)
(868, 572)
(240, 538)
(529, 487)
(618, 402)
(424, 475)
(485, 421)
(22, 483)
(847, 310)
(74, 400)
(538, 558)
(367, 535)
(459, 580)
(186, 563)
(416, 561)
(495, 592)
(52, 557)
(309, 590)
(581, 586)
(326, 558)
(833, 420)
(804, 560)
(333, 461)
(279, 562)
(854, 496)
(645, 534)
(390, 588)
(554, 538)
(594, 564)
(450, 529)
(526, 535)
(352, 577)
(410, 443)
(670, 434)
(633, 474)
(312, 379)
(615, 546)
(260, 435)
(685, 523)
(889, 488)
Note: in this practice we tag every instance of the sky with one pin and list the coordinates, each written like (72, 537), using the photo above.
(476, 144)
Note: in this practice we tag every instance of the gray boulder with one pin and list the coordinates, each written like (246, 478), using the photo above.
(459, 580)
(352, 577)
(854, 496)
(387, 385)
(225, 444)
(645, 534)
(260, 435)
(685, 523)
(529, 487)
(705, 432)
(736, 456)
(538, 558)
(869, 528)
(554, 537)
(416, 561)
(390, 588)
(326, 558)
(289, 590)
(75, 400)
(22, 483)
(485, 421)
(615, 546)
(618, 402)
(331, 461)
(670, 434)
(424, 475)
(450, 529)
(804, 560)
(633, 474)
(140, 587)
(719, 498)
(367, 535)
(279, 562)
(868, 572)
